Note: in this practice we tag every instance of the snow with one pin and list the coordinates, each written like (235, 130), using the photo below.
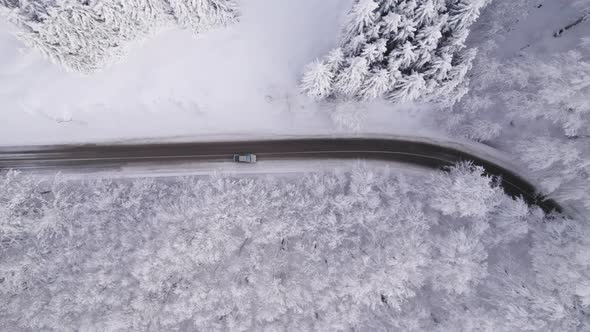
(535, 31)
(237, 80)
(527, 87)
(363, 247)
(113, 250)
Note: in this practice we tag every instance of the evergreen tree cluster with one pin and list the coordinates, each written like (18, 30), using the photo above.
(403, 50)
(86, 35)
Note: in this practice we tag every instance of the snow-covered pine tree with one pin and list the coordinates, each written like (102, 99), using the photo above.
(461, 263)
(404, 55)
(480, 130)
(407, 38)
(440, 66)
(426, 12)
(335, 59)
(463, 13)
(86, 35)
(465, 191)
(202, 15)
(351, 79)
(451, 88)
(376, 85)
(317, 80)
(361, 17)
(408, 88)
(560, 85)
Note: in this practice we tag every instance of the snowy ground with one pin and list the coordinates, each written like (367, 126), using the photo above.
(237, 80)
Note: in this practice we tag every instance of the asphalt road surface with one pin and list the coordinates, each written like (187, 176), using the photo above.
(116, 156)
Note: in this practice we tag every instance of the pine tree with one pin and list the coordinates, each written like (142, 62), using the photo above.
(465, 191)
(335, 59)
(405, 56)
(427, 39)
(440, 67)
(564, 104)
(361, 17)
(426, 12)
(317, 81)
(409, 37)
(202, 15)
(480, 130)
(408, 88)
(463, 13)
(375, 52)
(376, 85)
(86, 36)
(461, 264)
(407, 30)
(350, 80)
(391, 24)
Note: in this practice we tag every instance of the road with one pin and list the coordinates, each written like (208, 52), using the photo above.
(398, 150)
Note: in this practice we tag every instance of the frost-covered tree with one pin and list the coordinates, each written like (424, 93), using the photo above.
(361, 18)
(317, 80)
(376, 85)
(86, 36)
(408, 88)
(407, 38)
(202, 15)
(555, 90)
(463, 13)
(480, 130)
(562, 165)
(562, 260)
(465, 191)
(363, 248)
(350, 80)
(460, 264)
(540, 101)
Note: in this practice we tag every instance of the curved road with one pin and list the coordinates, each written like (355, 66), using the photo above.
(115, 156)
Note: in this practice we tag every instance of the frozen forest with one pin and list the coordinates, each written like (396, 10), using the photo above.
(533, 100)
(362, 248)
(87, 35)
(401, 50)
(472, 62)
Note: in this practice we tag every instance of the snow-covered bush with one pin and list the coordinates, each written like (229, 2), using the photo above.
(86, 36)
(403, 50)
(362, 248)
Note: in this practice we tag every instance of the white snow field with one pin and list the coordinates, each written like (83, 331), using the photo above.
(238, 80)
(361, 248)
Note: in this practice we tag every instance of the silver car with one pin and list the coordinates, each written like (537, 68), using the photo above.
(245, 158)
